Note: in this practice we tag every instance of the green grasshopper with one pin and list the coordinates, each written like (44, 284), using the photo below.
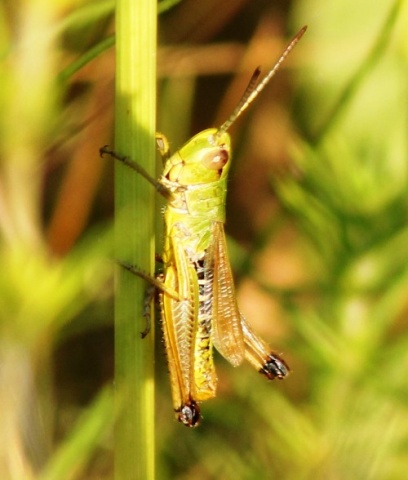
(197, 294)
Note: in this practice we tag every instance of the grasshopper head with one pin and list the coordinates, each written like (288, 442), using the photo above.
(205, 158)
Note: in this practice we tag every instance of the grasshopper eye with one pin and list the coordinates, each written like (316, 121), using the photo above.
(215, 161)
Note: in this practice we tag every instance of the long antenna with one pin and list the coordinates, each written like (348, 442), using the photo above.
(252, 91)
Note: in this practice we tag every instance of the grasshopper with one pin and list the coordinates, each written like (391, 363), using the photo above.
(197, 294)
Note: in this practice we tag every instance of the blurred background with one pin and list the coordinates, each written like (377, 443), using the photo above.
(316, 221)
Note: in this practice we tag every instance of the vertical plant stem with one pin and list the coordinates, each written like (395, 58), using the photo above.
(134, 236)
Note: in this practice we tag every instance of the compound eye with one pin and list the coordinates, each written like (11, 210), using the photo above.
(215, 159)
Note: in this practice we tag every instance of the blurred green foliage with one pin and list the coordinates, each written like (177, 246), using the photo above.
(317, 215)
(53, 260)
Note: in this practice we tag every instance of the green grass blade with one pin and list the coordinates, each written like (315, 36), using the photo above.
(74, 453)
(134, 236)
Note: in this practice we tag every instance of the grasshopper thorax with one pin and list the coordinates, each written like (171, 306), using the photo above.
(205, 158)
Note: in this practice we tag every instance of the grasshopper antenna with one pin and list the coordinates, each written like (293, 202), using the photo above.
(253, 90)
